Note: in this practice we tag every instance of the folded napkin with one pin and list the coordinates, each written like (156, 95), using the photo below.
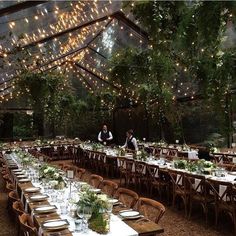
(196, 183)
(222, 189)
(179, 180)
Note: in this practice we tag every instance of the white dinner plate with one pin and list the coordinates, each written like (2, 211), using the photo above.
(129, 214)
(45, 209)
(232, 173)
(24, 180)
(19, 173)
(55, 224)
(113, 201)
(32, 189)
(17, 170)
(22, 176)
(38, 197)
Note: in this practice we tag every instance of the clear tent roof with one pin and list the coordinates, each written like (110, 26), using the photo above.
(78, 35)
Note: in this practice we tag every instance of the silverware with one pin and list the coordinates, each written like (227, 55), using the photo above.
(142, 220)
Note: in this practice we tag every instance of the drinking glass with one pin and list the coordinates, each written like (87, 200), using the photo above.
(80, 212)
(78, 225)
(63, 208)
(87, 216)
(109, 207)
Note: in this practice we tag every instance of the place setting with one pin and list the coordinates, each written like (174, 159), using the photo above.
(24, 180)
(55, 224)
(130, 214)
(38, 197)
(45, 209)
(32, 189)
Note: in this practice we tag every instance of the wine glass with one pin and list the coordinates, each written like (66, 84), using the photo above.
(80, 212)
(87, 216)
(109, 208)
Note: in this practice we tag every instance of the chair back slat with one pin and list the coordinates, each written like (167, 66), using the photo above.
(222, 191)
(151, 209)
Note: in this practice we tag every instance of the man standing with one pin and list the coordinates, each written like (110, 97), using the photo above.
(104, 135)
(131, 142)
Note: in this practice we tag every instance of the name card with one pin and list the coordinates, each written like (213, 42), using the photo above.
(70, 174)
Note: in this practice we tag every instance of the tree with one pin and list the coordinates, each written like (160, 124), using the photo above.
(186, 40)
(45, 93)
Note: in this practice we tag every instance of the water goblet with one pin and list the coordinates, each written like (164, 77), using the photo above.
(109, 207)
(87, 216)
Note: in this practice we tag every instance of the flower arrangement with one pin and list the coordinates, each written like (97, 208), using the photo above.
(96, 146)
(2, 145)
(141, 155)
(205, 167)
(25, 158)
(99, 221)
(162, 143)
(185, 147)
(37, 142)
(180, 164)
(52, 174)
(200, 166)
(213, 149)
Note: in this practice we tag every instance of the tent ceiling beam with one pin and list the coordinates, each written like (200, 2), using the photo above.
(19, 6)
(92, 73)
(67, 31)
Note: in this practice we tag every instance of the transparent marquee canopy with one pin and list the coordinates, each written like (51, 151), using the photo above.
(72, 36)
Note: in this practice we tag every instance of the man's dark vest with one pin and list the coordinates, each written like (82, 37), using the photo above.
(104, 136)
(130, 145)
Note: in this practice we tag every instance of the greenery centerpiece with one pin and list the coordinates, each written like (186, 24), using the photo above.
(180, 164)
(141, 155)
(212, 148)
(99, 221)
(185, 147)
(200, 166)
(97, 146)
(25, 158)
(2, 145)
(162, 143)
(52, 175)
(205, 167)
(37, 142)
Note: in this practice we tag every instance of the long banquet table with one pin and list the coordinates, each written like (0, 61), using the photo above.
(162, 165)
(117, 225)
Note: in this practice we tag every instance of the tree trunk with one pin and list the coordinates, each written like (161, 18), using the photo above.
(38, 118)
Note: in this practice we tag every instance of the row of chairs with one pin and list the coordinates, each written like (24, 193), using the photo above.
(157, 151)
(128, 197)
(222, 158)
(111, 188)
(219, 195)
(148, 207)
(189, 188)
(141, 174)
(96, 161)
(54, 153)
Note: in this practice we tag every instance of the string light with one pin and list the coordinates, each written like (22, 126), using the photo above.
(66, 20)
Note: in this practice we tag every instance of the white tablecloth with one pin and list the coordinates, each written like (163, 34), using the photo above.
(117, 228)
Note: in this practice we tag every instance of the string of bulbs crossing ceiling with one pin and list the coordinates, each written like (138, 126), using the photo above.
(70, 36)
